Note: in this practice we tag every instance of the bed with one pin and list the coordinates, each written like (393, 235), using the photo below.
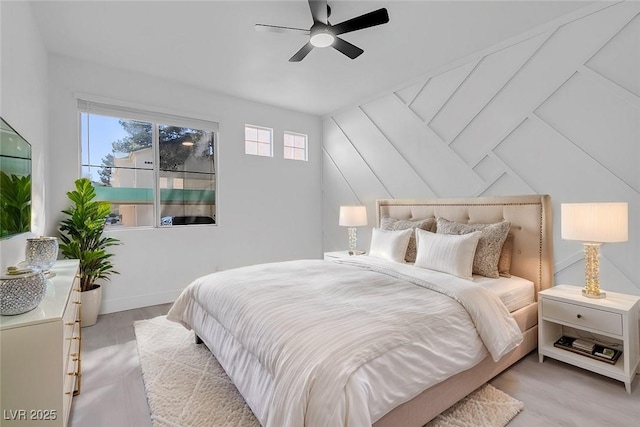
(273, 340)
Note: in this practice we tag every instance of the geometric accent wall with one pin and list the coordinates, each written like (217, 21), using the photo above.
(555, 111)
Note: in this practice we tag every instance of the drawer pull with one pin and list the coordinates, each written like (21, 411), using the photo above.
(73, 338)
(77, 302)
(68, 393)
(69, 323)
(579, 316)
(74, 355)
(73, 373)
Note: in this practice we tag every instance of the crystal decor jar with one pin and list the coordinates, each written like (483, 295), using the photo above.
(41, 252)
(21, 290)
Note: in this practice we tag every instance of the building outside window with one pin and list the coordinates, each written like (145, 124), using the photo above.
(155, 169)
(258, 141)
(295, 146)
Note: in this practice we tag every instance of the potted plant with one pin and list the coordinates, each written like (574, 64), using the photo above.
(81, 235)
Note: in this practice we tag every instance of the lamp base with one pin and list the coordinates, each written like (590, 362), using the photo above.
(353, 239)
(592, 271)
(599, 295)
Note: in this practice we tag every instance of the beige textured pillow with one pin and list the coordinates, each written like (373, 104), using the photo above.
(487, 255)
(389, 223)
(447, 253)
(504, 263)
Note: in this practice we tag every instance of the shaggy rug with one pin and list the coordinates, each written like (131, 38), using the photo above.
(187, 387)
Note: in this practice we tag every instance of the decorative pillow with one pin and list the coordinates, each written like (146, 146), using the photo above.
(390, 245)
(447, 253)
(389, 223)
(504, 263)
(493, 236)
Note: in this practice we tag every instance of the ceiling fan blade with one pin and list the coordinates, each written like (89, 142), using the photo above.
(352, 51)
(318, 10)
(279, 29)
(304, 51)
(371, 19)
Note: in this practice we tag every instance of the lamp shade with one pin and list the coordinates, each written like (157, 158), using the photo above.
(353, 216)
(595, 222)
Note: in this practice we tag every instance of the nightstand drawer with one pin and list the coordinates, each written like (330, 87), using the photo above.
(580, 316)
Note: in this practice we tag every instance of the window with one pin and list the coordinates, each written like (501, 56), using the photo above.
(295, 146)
(155, 169)
(258, 140)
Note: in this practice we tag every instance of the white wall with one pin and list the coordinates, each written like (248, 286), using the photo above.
(268, 209)
(23, 104)
(554, 111)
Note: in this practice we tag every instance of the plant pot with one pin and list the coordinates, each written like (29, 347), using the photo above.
(91, 301)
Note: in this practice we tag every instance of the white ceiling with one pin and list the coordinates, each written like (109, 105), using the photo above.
(213, 44)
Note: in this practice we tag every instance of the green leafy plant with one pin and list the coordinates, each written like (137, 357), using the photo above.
(81, 235)
(15, 201)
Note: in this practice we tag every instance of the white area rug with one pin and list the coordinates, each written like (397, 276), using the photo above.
(485, 407)
(187, 387)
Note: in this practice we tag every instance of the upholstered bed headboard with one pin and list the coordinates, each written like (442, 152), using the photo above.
(531, 226)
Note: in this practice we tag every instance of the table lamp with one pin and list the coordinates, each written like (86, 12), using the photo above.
(352, 217)
(594, 224)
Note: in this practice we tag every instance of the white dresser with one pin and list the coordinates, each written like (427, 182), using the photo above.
(40, 355)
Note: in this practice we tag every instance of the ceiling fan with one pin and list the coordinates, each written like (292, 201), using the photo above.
(324, 34)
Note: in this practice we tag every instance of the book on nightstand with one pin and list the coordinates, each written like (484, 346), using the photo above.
(589, 349)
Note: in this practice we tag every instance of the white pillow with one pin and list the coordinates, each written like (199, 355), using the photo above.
(388, 244)
(448, 253)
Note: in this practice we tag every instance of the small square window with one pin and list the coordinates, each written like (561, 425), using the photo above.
(295, 146)
(258, 141)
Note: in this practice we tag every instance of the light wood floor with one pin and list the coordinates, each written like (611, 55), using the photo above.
(554, 394)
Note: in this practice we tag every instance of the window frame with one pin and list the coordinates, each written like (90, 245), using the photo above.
(306, 145)
(156, 119)
(257, 141)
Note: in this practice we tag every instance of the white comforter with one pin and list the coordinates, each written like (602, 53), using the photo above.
(312, 324)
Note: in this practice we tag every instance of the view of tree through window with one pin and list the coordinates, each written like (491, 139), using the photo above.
(119, 156)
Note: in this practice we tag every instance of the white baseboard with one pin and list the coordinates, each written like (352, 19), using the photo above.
(138, 301)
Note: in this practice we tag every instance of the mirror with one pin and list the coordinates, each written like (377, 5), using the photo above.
(15, 182)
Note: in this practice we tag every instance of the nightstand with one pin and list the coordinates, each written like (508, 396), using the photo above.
(340, 254)
(562, 310)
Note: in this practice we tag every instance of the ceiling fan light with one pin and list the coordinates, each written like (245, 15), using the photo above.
(322, 39)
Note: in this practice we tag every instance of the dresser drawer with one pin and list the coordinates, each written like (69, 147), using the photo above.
(582, 317)
(70, 378)
(71, 345)
(70, 327)
(71, 310)
(70, 375)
